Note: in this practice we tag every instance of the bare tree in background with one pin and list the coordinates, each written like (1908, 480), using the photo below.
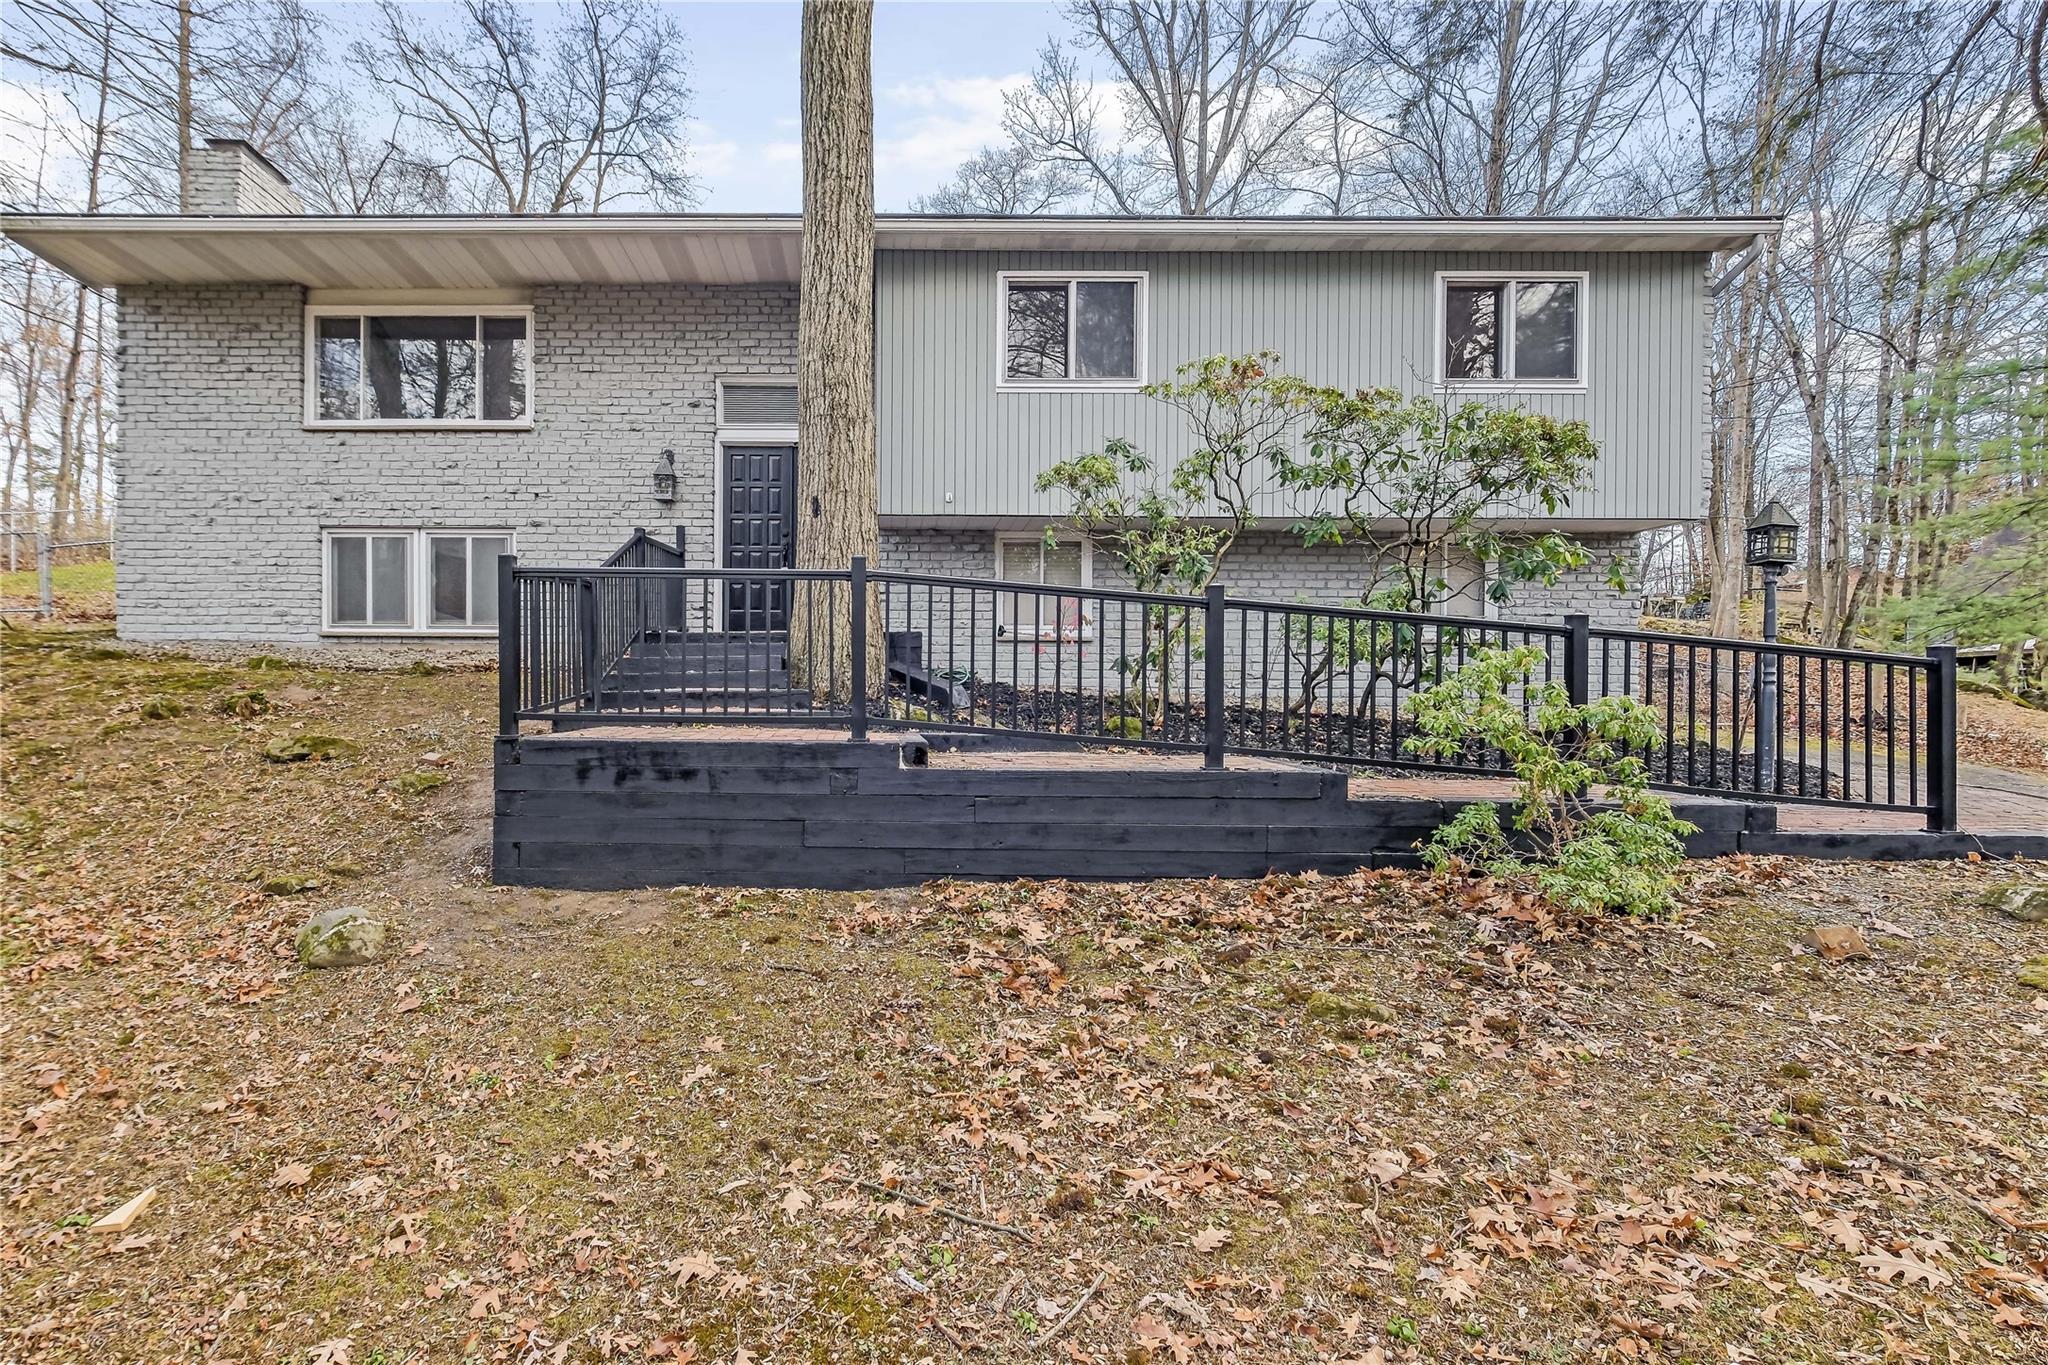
(1506, 106)
(177, 70)
(338, 165)
(837, 481)
(1003, 181)
(575, 124)
(1207, 102)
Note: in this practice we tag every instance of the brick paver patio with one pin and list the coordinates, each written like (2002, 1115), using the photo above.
(1993, 801)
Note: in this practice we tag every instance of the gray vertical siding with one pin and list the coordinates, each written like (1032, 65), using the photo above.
(1354, 319)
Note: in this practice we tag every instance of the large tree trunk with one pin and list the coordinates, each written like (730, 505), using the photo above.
(836, 479)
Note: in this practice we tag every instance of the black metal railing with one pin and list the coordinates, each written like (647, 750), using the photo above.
(1794, 723)
(631, 641)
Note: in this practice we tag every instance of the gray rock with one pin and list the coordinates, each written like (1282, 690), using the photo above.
(2021, 901)
(343, 937)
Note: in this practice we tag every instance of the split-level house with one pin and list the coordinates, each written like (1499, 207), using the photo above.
(330, 426)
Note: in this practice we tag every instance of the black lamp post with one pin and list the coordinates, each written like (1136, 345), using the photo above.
(1770, 543)
(665, 476)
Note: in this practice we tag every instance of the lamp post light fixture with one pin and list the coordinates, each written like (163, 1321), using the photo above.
(1770, 543)
(665, 476)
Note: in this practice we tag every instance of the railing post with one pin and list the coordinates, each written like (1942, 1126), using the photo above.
(1578, 659)
(509, 621)
(857, 638)
(1215, 724)
(586, 625)
(1943, 812)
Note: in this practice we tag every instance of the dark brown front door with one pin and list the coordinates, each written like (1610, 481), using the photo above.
(760, 532)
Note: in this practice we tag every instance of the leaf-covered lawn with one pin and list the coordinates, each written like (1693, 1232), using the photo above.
(78, 591)
(1345, 1119)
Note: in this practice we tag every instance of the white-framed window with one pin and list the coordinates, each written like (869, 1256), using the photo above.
(1067, 562)
(385, 580)
(1511, 331)
(419, 365)
(1071, 330)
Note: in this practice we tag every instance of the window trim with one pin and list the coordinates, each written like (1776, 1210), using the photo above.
(1141, 313)
(419, 593)
(310, 406)
(1511, 278)
(1007, 630)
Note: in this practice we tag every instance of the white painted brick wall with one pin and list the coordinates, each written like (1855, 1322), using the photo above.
(229, 177)
(1585, 590)
(223, 493)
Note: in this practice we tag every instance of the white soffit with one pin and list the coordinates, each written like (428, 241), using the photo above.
(519, 252)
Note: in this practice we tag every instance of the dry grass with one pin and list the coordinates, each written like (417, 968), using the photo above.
(78, 592)
(1288, 1120)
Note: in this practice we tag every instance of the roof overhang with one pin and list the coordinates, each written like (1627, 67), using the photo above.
(495, 252)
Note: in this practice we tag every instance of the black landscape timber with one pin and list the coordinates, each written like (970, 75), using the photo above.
(576, 810)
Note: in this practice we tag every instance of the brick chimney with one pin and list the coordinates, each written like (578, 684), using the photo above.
(229, 176)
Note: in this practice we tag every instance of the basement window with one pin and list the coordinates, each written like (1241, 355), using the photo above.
(1072, 331)
(1042, 615)
(396, 581)
(433, 367)
(1511, 331)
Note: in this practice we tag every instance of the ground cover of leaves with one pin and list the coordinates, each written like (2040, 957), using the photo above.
(1352, 1119)
(79, 592)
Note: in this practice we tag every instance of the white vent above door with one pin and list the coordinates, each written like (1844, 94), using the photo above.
(742, 404)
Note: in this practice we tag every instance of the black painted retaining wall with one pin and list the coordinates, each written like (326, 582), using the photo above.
(578, 810)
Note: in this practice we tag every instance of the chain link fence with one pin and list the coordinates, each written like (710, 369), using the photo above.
(25, 545)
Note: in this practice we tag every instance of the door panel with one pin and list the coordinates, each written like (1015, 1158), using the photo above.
(760, 532)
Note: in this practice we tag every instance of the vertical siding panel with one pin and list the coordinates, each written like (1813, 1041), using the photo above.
(1353, 319)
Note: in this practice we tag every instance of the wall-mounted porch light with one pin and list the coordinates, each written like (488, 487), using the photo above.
(665, 476)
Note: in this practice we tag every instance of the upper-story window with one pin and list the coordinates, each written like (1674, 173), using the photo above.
(1516, 331)
(1072, 330)
(419, 366)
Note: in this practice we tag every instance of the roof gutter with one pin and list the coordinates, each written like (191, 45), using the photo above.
(1738, 267)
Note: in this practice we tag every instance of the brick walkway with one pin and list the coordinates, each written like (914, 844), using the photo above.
(1993, 802)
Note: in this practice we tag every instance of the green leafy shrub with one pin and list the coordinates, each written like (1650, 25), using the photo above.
(1124, 727)
(1584, 856)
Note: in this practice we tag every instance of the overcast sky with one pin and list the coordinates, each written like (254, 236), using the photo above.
(941, 67)
(940, 70)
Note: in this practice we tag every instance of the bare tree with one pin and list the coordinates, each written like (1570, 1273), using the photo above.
(1002, 181)
(837, 481)
(1207, 101)
(176, 69)
(1507, 106)
(338, 165)
(527, 126)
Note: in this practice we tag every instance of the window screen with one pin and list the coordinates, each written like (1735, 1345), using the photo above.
(1106, 329)
(411, 580)
(1547, 330)
(369, 581)
(1043, 615)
